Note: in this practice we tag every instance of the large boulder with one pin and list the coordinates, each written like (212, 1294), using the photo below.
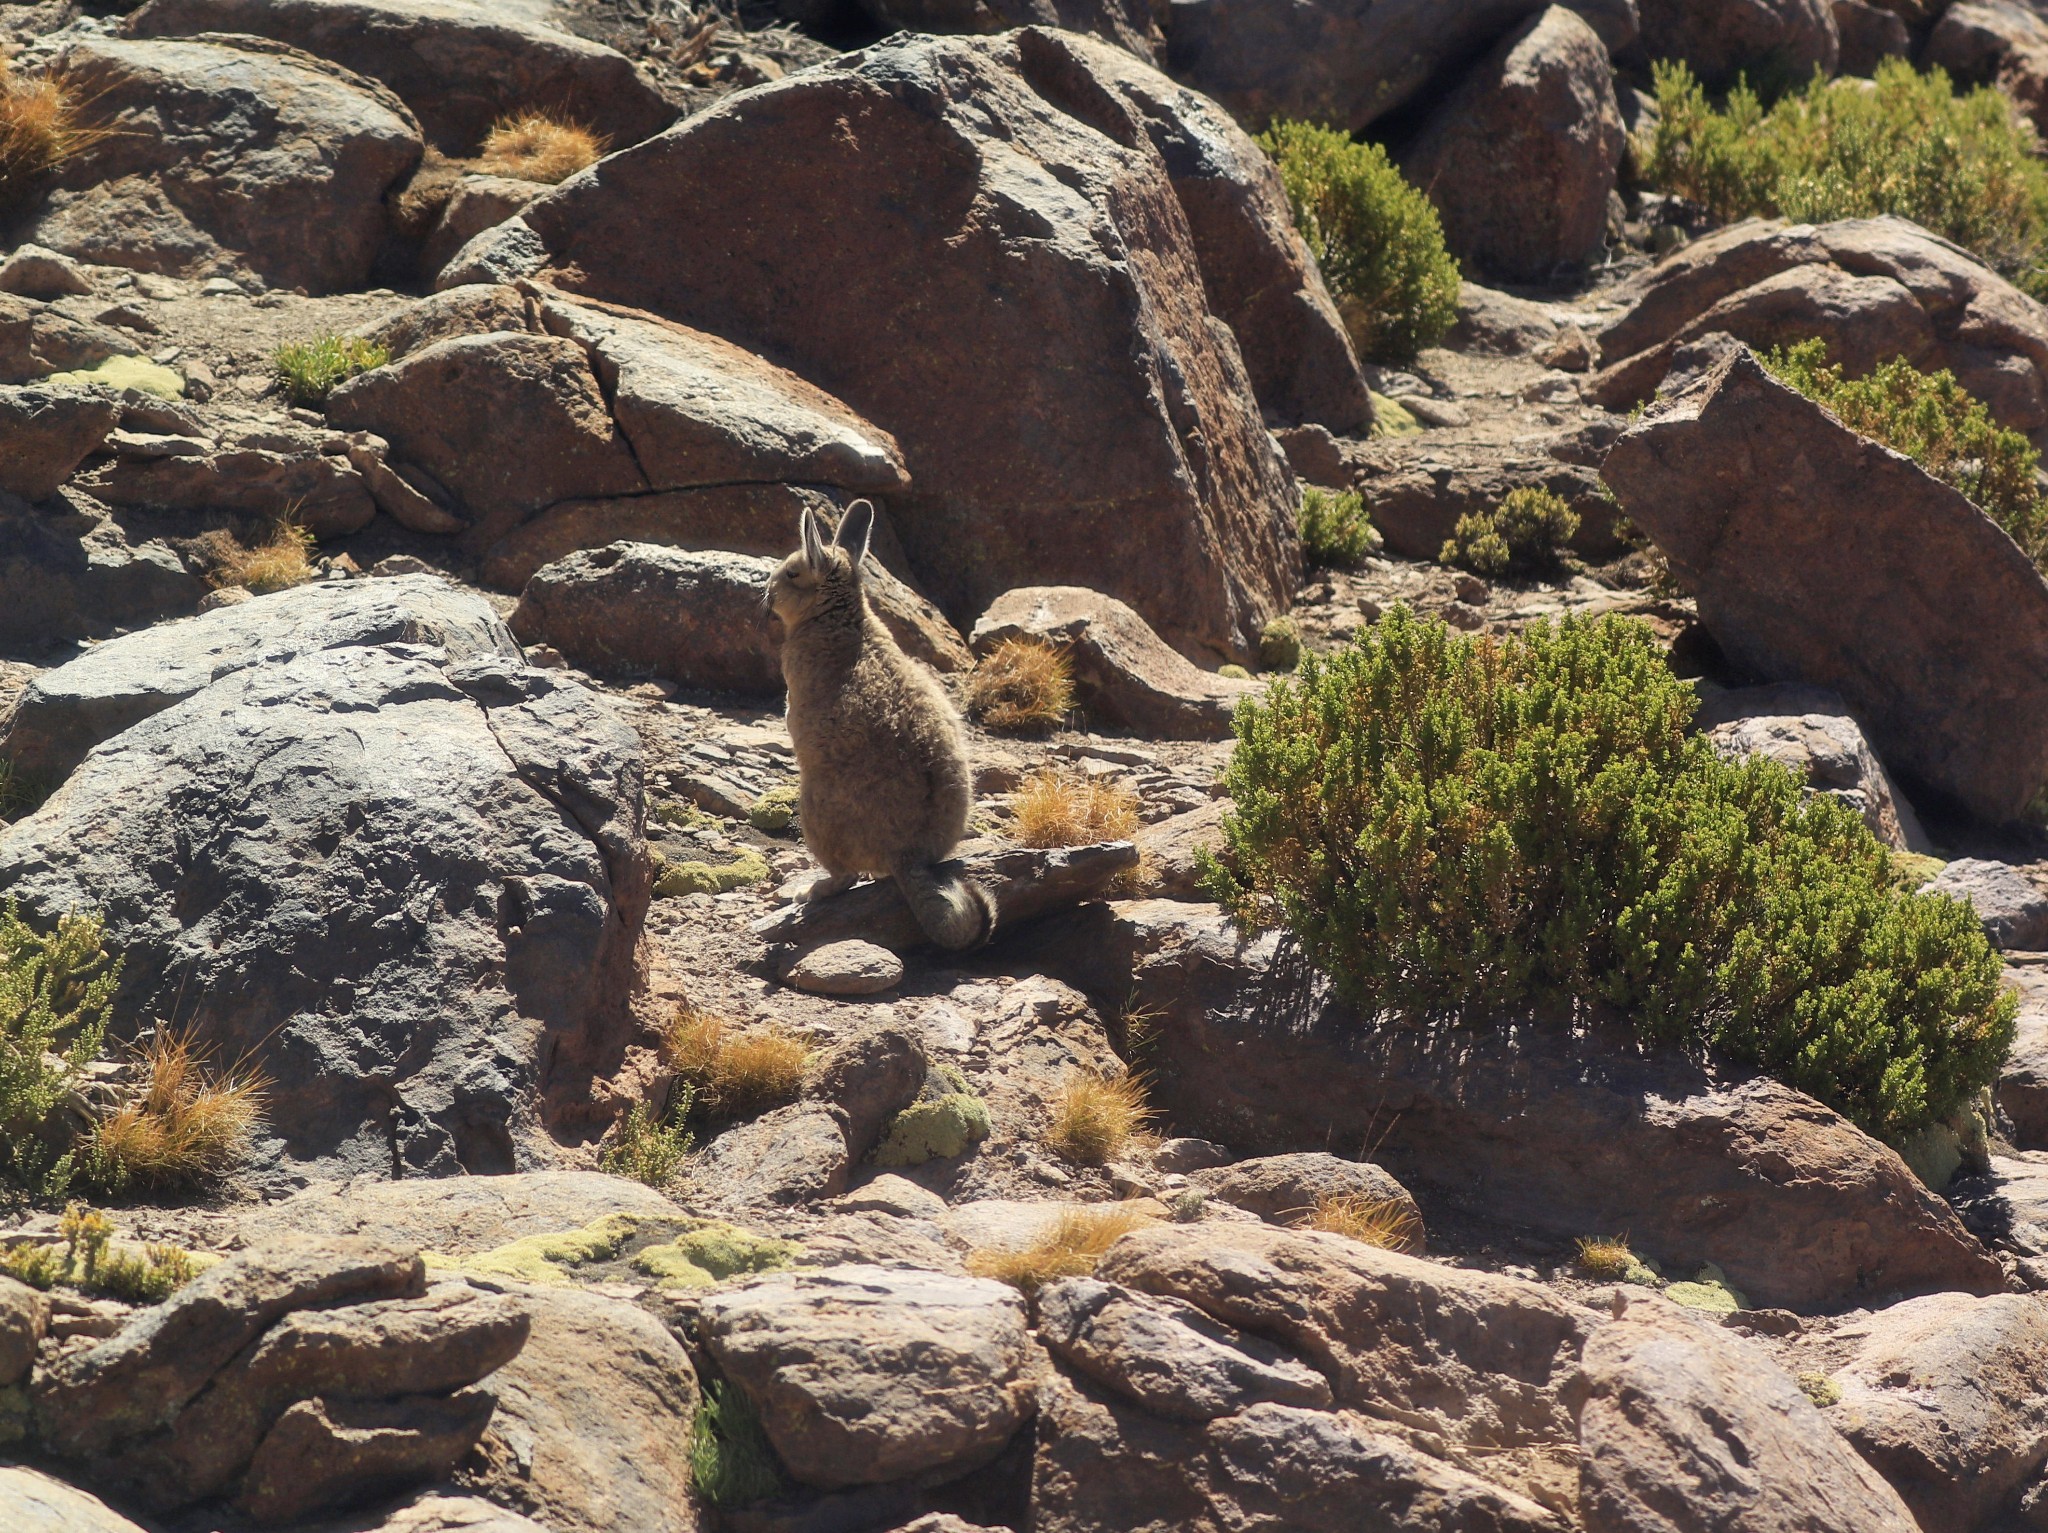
(37, 340)
(1124, 675)
(1535, 1125)
(1691, 1429)
(1981, 42)
(33, 1502)
(190, 179)
(1520, 159)
(2022, 1089)
(1870, 34)
(1132, 25)
(1872, 288)
(68, 574)
(409, 889)
(46, 433)
(2014, 912)
(460, 65)
(68, 710)
(1347, 62)
(1819, 556)
(863, 1374)
(1051, 281)
(1723, 38)
(452, 1216)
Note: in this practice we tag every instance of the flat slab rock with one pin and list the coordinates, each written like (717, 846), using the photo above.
(34, 1502)
(863, 1375)
(2014, 911)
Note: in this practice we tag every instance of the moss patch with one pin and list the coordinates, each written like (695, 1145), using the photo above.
(939, 1129)
(1391, 418)
(774, 811)
(676, 879)
(712, 1253)
(546, 1259)
(119, 373)
(1710, 1291)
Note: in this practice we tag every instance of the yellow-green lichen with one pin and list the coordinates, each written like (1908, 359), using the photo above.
(938, 1129)
(1392, 418)
(546, 1259)
(712, 1253)
(774, 811)
(1710, 1291)
(676, 879)
(126, 373)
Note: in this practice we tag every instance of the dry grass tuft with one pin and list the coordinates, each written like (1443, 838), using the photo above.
(190, 1123)
(1097, 1116)
(539, 146)
(280, 562)
(1605, 1256)
(1021, 687)
(1384, 1222)
(40, 128)
(732, 1073)
(1054, 808)
(1070, 1248)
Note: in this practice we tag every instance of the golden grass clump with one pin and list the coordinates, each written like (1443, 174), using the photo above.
(190, 1122)
(1387, 1223)
(1054, 808)
(1021, 687)
(40, 128)
(539, 146)
(281, 561)
(1605, 1256)
(1071, 1247)
(1096, 1116)
(732, 1073)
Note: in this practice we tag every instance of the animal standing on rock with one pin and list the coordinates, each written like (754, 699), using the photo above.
(882, 779)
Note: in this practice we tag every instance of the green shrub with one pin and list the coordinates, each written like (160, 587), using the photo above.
(55, 994)
(308, 371)
(1481, 828)
(1377, 239)
(731, 1462)
(649, 1149)
(1934, 421)
(1524, 535)
(1963, 166)
(1336, 532)
(1280, 645)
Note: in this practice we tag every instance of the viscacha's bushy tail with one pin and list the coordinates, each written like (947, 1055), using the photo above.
(955, 912)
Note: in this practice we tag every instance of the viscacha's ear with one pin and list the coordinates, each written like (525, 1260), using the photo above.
(813, 539)
(856, 530)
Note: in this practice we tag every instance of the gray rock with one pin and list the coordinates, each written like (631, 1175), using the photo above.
(895, 1196)
(66, 711)
(479, 202)
(2014, 912)
(869, 1075)
(191, 180)
(327, 1454)
(1947, 1397)
(33, 1502)
(793, 1155)
(459, 67)
(1891, 628)
(67, 574)
(1418, 492)
(1285, 1189)
(37, 340)
(421, 883)
(1124, 674)
(862, 1375)
(1722, 38)
(1169, 850)
(35, 272)
(2022, 1089)
(1691, 1427)
(1870, 34)
(24, 1318)
(46, 433)
(847, 968)
(1169, 1356)
(2007, 1206)
(1184, 1155)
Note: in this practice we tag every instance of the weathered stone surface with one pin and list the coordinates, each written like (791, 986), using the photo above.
(2007, 1206)
(1166, 486)
(868, 1075)
(478, 308)
(1131, 25)
(2022, 1089)
(1124, 674)
(1346, 62)
(1810, 731)
(1169, 850)
(1529, 1124)
(47, 433)
(24, 1317)
(2014, 912)
(863, 1375)
(479, 202)
(1947, 1397)
(433, 1512)
(1493, 323)
(1690, 1427)
(1722, 38)
(66, 574)
(66, 711)
(1870, 34)
(459, 65)
(1167, 1355)
(33, 1502)
(409, 889)
(327, 1454)
(1521, 158)
(330, 496)
(847, 968)
(593, 1427)
(793, 1155)
(190, 180)
(1285, 1189)
(37, 340)
(1982, 42)
(35, 272)
(1872, 288)
(1712, 477)
(1418, 490)
(1260, 278)
(89, 1402)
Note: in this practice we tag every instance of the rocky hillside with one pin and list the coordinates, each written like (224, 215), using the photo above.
(1491, 556)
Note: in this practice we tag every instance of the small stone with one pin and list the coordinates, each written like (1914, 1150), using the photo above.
(220, 287)
(1183, 1155)
(847, 968)
(1472, 589)
(894, 1195)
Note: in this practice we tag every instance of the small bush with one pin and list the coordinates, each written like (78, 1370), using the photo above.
(282, 560)
(88, 1261)
(1021, 687)
(1934, 421)
(41, 127)
(55, 995)
(649, 1149)
(1052, 808)
(1377, 239)
(731, 1462)
(189, 1124)
(1096, 1116)
(1336, 531)
(1963, 166)
(308, 371)
(539, 146)
(1280, 645)
(1071, 1247)
(731, 1073)
(1525, 534)
(1480, 828)
(1605, 1256)
(1387, 1223)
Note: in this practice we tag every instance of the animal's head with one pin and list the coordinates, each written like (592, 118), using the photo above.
(821, 575)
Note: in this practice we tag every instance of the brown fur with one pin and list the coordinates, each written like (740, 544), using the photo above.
(883, 786)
